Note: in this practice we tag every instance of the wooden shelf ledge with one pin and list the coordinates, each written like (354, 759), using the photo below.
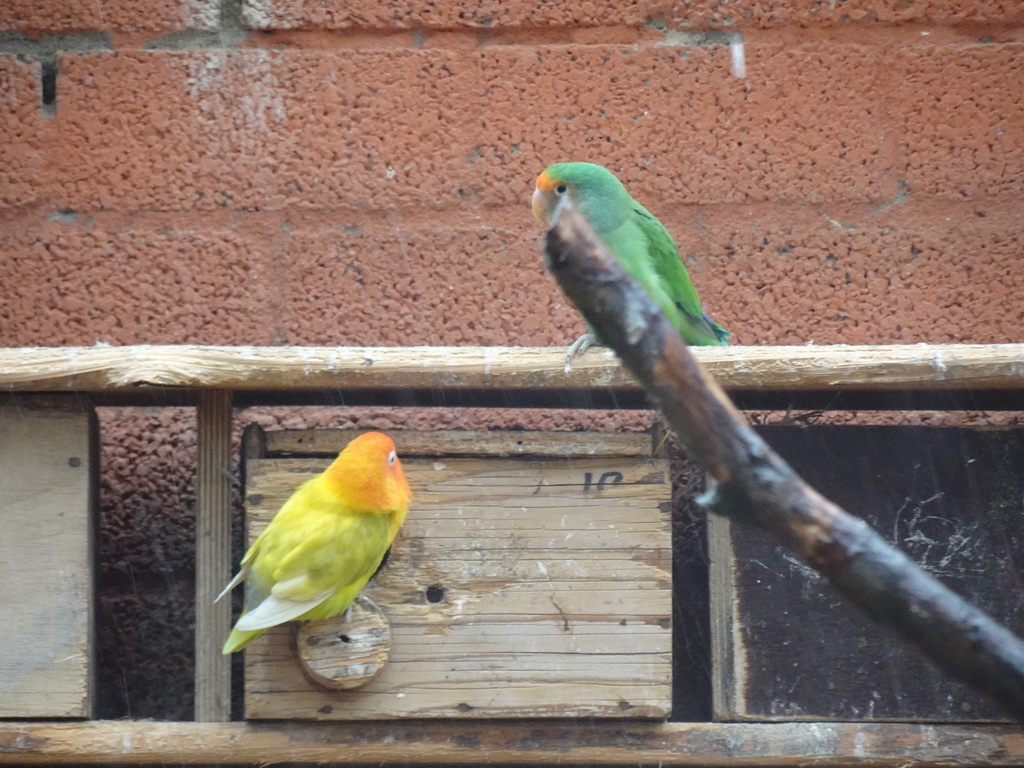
(524, 743)
(511, 376)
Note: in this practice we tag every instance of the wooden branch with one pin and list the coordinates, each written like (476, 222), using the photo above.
(752, 484)
(804, 368)
(568, 742)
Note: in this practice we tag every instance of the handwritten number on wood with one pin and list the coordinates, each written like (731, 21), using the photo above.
(614, 478)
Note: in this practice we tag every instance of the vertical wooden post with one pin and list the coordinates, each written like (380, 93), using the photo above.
(213, 555)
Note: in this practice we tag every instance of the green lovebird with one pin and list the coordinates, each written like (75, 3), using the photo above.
(638, 240)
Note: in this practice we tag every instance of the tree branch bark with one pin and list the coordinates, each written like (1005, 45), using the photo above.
(751, 484)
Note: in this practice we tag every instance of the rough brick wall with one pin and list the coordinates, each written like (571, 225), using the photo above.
(329, 172)
(357, 173)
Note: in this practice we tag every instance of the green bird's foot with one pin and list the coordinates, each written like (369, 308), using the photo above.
(578, 347)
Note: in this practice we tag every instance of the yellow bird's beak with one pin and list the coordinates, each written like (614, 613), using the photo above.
(539, 205)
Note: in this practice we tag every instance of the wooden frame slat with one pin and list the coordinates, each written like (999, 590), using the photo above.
(568, 742)
(457, 442)
(917, 366)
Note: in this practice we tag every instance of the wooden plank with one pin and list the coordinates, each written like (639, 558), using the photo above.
(728, 662)
(950, 498)
(48, 467)
(213, 555)
(327, 442)
(565, 742)
(839, 367)
(517, 588)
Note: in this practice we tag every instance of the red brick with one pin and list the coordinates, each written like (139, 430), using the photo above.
(850, 275)
(961, 113)
(388, 418)
(170, 280)
(687, 14)
(402, 286)
(771, 274)
(742, 14)
(676, 125)
(82, 282)
(256, 130)
(400, 14)
(438, 129)
(24, 134)
(146, 468)
(62, 16)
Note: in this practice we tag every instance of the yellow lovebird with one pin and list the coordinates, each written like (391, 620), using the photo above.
(325, 543)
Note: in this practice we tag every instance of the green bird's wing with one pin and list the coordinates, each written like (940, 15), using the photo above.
(652, 252)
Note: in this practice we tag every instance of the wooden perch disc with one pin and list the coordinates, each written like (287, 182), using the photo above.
(341, 654)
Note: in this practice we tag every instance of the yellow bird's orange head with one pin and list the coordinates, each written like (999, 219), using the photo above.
(368, 476)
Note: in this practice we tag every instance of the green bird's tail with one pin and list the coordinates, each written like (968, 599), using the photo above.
(699, 330)
(721, 334)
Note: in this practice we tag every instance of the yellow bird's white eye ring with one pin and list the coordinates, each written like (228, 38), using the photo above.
(392, 458)
(561, 189)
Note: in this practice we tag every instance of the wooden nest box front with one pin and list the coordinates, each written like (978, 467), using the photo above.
(532, 578)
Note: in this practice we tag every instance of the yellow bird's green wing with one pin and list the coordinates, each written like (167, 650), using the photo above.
(317, 574)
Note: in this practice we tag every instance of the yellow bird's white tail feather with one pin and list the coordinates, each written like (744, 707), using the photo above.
(275, 610)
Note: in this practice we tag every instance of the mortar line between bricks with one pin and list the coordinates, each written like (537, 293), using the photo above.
(645, 35)
(231, 34)
(506, 218)
(46, 51)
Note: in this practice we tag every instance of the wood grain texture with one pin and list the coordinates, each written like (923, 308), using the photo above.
(213, 555)
(328, 442)
(347, 651)
(48, 466)
(950, 366)
(566, 742)
(517, 588)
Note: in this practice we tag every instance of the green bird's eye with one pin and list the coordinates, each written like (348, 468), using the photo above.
(561, 189)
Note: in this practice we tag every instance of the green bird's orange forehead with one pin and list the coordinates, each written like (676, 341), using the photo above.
(546, 183)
